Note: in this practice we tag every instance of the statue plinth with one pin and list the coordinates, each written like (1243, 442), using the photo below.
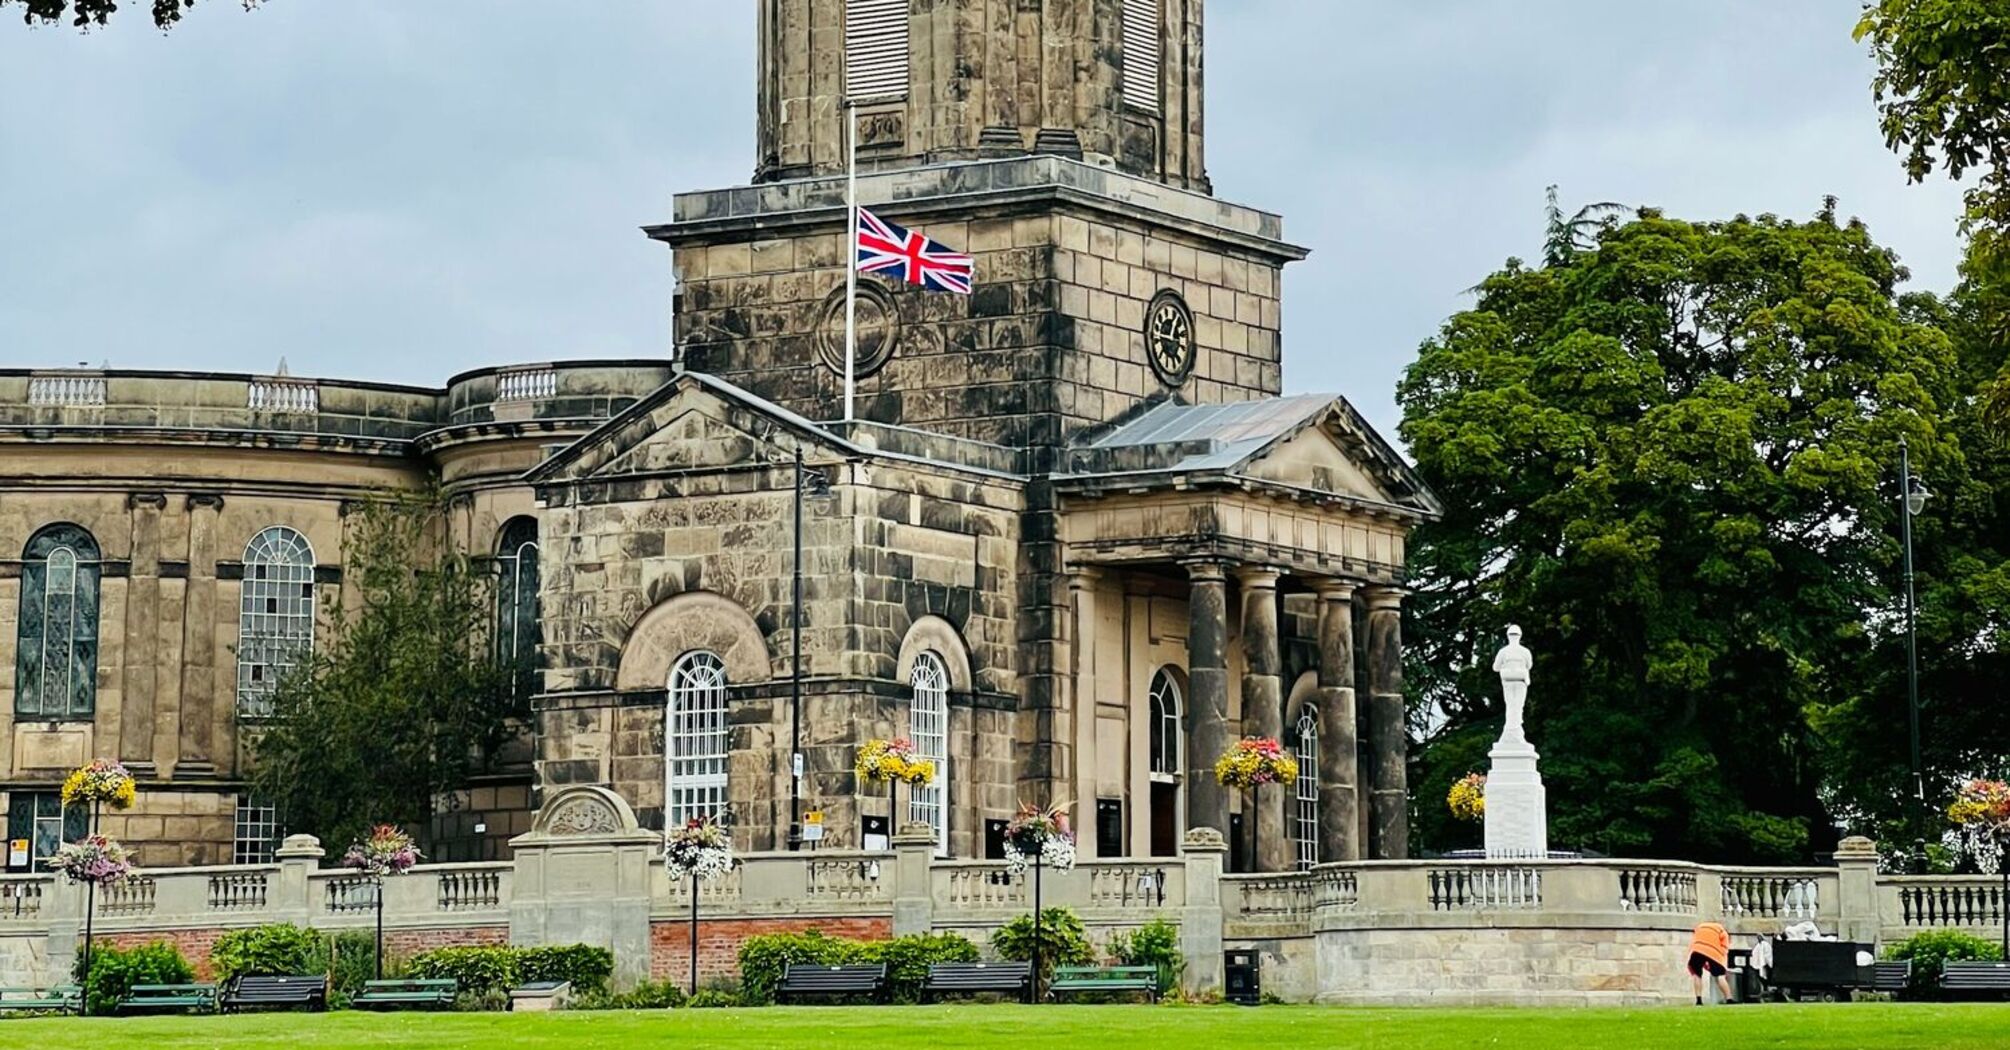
(1517, 813)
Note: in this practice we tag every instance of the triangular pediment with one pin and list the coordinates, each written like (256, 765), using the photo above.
(693, 423)
(1314, 459)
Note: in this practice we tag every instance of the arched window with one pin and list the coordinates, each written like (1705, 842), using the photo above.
(695, 744)
(516, 605)
(56, 661)
(1164, 727)
(1305, 825)
(275, 623)
(928, 728)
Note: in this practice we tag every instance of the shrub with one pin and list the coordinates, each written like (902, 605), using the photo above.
(1932, 950)
(114, 972)
(279, 950)
(649, 995)
(1154, 944)
(908, 958)
(478, 971)
(764, 958)
(586, 967)
(352, 959)
(710, 998)
(1062, 941)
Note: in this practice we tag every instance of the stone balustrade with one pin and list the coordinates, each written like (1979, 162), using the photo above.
(1373, 931)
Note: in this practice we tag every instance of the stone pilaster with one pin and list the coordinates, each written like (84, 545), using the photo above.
(1207, 680)
(1339, 772)
(1388, 735)
(197, 756)
(1263, 710)
(1082, 588)
(142, 658)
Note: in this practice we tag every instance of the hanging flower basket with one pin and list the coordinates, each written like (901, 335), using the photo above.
(1041, 833)
(702, 848)
(1468, 798)
(94, 859)
(103, 781)
(884, 761)
(385, 851)
(1255, 760)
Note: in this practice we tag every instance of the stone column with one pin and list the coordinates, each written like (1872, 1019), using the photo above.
(1082, 589)
(1856, 876)
(298, 856)
(1207, 708)
(197, 757)
(1388, 736)
(1263, 710)
(1200, 920)
(913, 893)
(1339, 772)
(141, 642)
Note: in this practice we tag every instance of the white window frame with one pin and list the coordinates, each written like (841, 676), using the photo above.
(275, 622)
(696, 741)
(1305, 790)
(1165, 752)
(254, 832)
(928, 729)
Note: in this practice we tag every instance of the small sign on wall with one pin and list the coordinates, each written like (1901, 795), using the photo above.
(17, 855)
(875, 834)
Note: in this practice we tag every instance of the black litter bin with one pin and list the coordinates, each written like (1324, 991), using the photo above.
(1244, 973)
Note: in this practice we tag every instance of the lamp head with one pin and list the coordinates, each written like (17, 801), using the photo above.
(1915, 500)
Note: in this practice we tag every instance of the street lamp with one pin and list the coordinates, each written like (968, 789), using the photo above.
(815, 485)
(1912, 500)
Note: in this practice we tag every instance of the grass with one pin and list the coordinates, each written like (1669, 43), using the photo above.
(1871, 1026)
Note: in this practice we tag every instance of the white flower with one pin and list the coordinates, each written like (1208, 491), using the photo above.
(1056, 852)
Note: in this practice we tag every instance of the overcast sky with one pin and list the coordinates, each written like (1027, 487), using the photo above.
(395, 190)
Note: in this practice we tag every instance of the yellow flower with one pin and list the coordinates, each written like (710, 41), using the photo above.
(1468, 798)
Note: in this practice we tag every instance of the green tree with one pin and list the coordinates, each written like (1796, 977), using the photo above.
(406, 702)
(87, 13)
(1667, 460)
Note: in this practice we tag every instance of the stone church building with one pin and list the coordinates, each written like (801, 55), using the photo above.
(1071, 537)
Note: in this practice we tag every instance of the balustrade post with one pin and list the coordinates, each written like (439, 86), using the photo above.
(290, 898)
(1201, 920)
(913, 893)
(1856, 896)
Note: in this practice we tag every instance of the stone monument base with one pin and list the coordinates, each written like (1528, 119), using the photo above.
(1517, 813)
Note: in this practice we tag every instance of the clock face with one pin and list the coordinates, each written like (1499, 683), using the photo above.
(1169, 338)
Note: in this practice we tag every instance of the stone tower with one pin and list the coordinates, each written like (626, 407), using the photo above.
(1115, 83)
(1059, 142)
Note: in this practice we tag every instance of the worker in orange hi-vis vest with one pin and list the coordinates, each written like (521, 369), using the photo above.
(1710, 949)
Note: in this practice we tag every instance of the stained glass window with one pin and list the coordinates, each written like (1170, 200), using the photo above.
(275, 625)
(56, 661)
(928, 728)
(516, 605)
(696, 744)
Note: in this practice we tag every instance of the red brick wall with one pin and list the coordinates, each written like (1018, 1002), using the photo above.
(719, 942)
(195, 945)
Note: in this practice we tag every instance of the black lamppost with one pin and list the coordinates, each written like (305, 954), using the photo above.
(814, 484)
(1912, 500)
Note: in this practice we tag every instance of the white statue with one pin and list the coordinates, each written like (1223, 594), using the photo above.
(1513, 664)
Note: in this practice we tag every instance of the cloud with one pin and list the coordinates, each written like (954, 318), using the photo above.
(401, 191)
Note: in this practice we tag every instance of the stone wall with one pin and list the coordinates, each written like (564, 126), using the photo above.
(719, 942)
(1500, 967)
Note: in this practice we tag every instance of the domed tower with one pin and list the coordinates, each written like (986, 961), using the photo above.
(1115, 83)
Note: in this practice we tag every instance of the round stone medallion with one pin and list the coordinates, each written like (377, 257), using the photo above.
(878, 323)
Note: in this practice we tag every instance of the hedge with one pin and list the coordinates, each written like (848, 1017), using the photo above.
(764, 958)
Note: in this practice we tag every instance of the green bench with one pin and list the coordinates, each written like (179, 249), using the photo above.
(153, 998)
(1095, 980)
(434, 993)
(62, 999)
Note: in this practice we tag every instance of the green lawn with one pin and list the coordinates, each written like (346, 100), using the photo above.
(1871, 1026)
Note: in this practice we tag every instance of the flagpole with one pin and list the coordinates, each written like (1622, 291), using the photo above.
(850, 255)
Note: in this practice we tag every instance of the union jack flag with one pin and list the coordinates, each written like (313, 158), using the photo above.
(904, 255)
